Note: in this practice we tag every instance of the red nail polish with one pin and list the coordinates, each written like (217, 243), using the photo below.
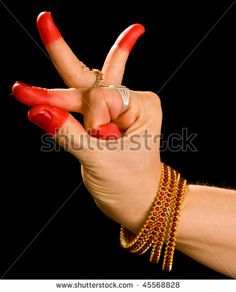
(30, 95)
(47, 28)
(49, 118)
(129, 37)
(41, 119)
(106, 132)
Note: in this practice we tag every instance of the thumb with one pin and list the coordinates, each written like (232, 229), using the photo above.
(64, 128)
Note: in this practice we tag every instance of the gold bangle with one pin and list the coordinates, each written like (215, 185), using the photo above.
(159, 240)
(161, 222)
(171, 240)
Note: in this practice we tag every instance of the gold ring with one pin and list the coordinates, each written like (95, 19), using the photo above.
(99, 77)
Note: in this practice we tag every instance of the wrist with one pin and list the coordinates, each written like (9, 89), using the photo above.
(137, 211)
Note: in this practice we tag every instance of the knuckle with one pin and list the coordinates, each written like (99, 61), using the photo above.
(153, 96)
(93, 95)
(96, 92)
(151, 105)
(153, 99)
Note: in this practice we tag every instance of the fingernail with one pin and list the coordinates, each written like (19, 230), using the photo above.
(129, 37)
(18, 90)
(106, 132)
(17, 87)
(47, 28)
(50, 119)
(30, 95)
(42, 119)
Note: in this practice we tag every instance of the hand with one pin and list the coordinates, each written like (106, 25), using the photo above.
(75, 73)
(123, 181)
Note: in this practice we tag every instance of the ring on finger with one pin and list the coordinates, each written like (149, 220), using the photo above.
(125, 96)
(99, 77)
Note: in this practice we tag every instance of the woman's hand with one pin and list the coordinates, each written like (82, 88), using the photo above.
(75, 73)
(123, 174)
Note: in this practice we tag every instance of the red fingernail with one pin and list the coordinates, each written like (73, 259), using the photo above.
(47, 28)
(30, 95)
(50, 119)
(41, 119)
(106, 132)
(129, 37)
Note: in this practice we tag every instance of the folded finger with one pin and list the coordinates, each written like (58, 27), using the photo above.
(104, 105)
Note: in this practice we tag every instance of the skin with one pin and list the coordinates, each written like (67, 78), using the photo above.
(76, 74)
(125, 192)
(48, 31)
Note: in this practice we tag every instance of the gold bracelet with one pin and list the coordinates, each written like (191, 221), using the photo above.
(159, 240)
(161, 222)
(171, 239)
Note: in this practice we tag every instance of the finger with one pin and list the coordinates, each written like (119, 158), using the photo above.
(67, 99)
(49, 118)
(67, 131)
(99, 113)
(73, 72)
(108, 131)
(114, 66)
(104, 105)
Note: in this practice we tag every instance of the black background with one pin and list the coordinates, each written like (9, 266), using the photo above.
(81, 242)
